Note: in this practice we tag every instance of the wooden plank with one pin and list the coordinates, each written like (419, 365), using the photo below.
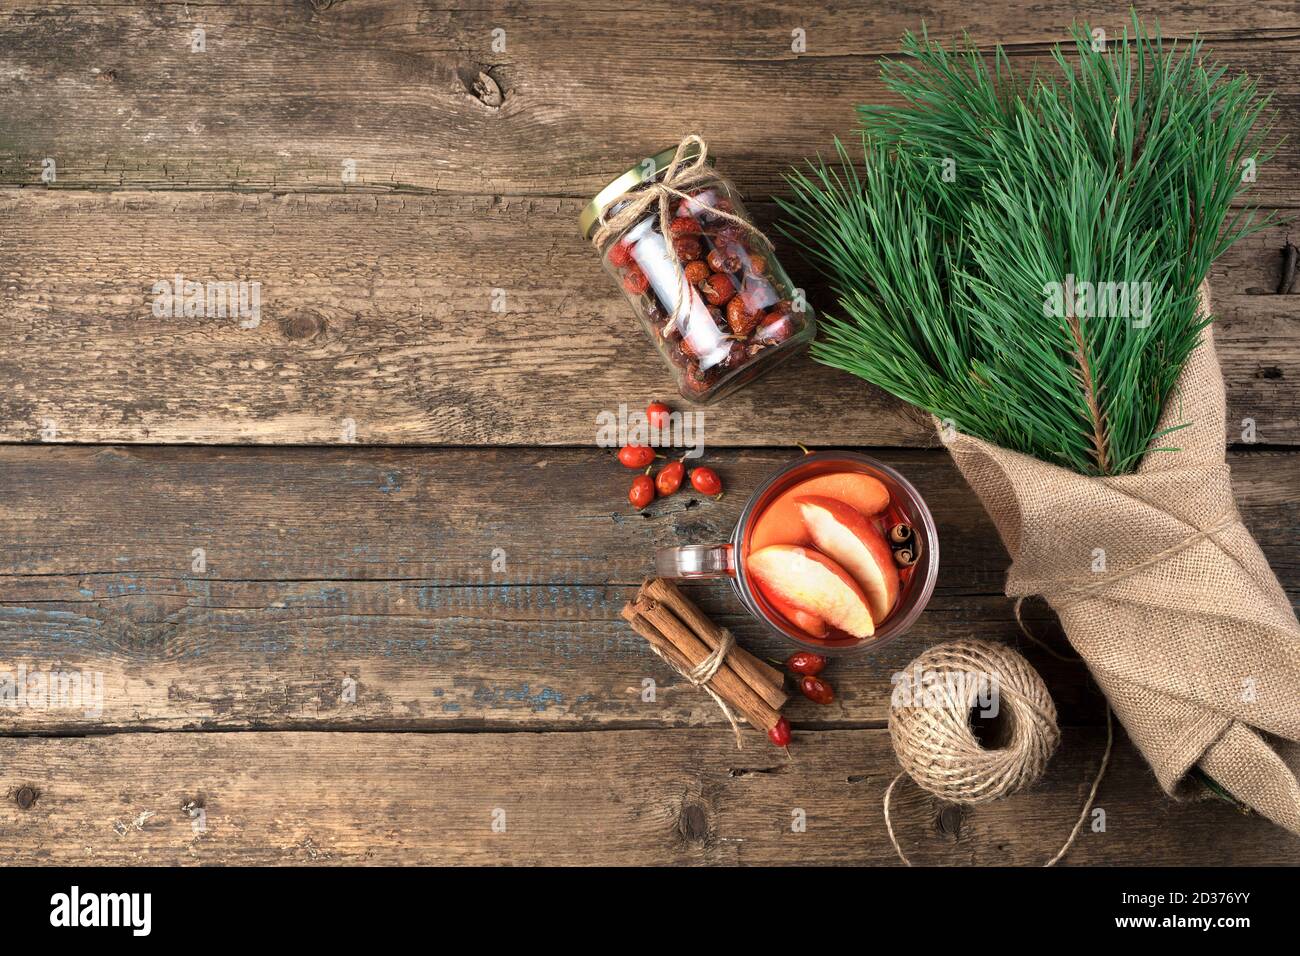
(379, 311)
(624, 798)
(421, 96)
(323, 566)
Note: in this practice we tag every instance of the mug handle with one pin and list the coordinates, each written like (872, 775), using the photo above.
(696, 561)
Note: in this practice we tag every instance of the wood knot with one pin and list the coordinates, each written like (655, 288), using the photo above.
(948, 822)
(693, 823)
(26, 796)
(302, 326)
(483, 86)
(107, 76)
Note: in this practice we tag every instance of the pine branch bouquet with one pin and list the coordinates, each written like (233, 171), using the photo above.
(1025, 259)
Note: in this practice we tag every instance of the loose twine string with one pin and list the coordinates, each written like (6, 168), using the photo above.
(680, 175)
(703, 672)
(937, 746)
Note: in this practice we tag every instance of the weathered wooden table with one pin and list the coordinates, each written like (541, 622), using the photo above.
(350, 577)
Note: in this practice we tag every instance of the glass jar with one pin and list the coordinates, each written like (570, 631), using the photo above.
(725, 311)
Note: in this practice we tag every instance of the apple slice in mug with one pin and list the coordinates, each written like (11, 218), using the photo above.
(781, 522)
(810, 624)
(813, 583)
(846, 536)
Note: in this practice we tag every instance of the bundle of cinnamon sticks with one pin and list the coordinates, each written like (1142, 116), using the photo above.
(685, 637)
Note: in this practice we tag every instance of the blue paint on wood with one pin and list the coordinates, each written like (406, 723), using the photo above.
(318, 597)
(46, 614)
(201, 589)
(488, 696)
(589, 597)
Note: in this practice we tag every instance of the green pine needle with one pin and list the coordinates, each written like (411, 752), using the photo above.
(985, 189)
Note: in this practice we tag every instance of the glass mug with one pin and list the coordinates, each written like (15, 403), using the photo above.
(727, 560)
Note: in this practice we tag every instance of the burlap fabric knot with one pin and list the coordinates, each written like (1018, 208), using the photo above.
(1186, 630)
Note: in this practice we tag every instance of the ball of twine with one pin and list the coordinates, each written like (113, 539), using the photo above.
(930, 722)
(930, 725)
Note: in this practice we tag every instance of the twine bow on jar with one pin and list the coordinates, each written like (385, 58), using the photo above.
(680, 175)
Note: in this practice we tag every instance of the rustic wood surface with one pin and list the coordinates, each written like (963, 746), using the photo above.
(383, 646)
(622, 797)
(378, 310)
(323, 564)
(416, 95)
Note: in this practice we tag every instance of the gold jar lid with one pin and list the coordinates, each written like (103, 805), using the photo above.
(644, 171)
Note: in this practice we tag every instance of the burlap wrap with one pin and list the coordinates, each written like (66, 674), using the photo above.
(1187, 630)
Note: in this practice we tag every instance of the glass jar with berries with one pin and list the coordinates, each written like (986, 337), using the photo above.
(702, 278)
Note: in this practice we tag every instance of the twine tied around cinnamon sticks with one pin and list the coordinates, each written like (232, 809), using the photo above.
(705, 671)
(707, 656)
(680, 175)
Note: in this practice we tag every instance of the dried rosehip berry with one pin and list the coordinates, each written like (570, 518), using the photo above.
(656, 414)
(669, 478)
(685, 226)
(697, 272)
(723, 260)
(688, 248)
(741, 320)
(735, 355)
(706, 481)
(718, 288)
(758, 264)
(620, 254)
(757, 293)
(806, 662)
(698, 381)
(730, 235)
(642, 491)
(635, 456)
(719, 204)
(816, 689)
(774, 330)
(780, 734)
(635, 281)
